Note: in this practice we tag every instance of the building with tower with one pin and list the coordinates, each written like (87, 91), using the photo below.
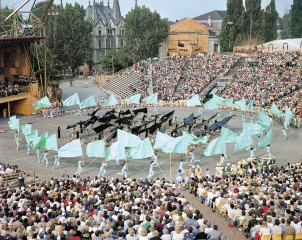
(107, 33)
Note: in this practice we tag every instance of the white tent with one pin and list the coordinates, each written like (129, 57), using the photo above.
(286, 44)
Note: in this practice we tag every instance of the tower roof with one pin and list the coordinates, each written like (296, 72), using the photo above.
(116, 11)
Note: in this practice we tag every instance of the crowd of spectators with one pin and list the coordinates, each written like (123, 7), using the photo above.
(203, 70)
(267, 78)
(266, 203)
(96, 208)
(8, 89)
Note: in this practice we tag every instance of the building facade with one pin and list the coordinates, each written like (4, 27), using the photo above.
(107, 33)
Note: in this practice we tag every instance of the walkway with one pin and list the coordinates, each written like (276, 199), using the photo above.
(214, 218)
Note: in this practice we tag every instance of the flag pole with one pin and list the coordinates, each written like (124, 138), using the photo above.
(162, 170)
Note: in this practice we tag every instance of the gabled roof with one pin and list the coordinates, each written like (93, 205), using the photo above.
(187, 25)
(215, 15)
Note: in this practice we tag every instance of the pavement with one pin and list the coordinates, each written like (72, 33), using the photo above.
(285, 151)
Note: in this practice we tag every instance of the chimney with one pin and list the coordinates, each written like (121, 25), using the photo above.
(209, 21)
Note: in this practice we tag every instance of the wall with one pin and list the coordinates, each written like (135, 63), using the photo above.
(13, 62)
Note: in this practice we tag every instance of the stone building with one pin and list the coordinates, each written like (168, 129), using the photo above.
(107, 33)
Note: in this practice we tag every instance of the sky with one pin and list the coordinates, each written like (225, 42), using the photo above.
(171, 9)
(179, 9)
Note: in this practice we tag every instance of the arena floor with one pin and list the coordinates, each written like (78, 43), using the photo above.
(285, 151)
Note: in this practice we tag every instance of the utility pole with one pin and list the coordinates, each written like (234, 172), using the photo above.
(113, 63)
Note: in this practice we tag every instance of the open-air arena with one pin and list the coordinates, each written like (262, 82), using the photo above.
(146, 120)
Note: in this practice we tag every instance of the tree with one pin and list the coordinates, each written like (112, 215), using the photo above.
(144, 31)
(269, 25)
(296, 19)
(117, 59)
(285, 25)
(253, 20)
(231, 25)
(71, 36)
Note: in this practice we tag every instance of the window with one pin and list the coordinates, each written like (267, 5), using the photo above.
(100, 32)
(121, 43)
(109, 31)
(121, 32)
(100, 44)
(110, 43)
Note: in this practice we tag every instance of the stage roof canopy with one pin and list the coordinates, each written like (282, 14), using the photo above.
(293, 44)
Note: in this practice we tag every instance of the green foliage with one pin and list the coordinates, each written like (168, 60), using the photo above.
(144, 31)
(117, 59)
(296, 19)
(285, 26)
(269, 25)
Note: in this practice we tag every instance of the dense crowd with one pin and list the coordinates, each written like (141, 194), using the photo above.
(264, 202)
(267, 78)
(15, 87)
(203, 70)
(96, 208)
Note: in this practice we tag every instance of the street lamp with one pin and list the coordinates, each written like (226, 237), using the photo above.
(230, 24)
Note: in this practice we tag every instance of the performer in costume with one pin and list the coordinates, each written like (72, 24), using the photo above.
(45, 159)
(178, 177)
(18, 142)
(284, 133)
(252, 153)
(181, 166)
(208, 174)
(124, 171)
(39, 152)
(268, 149)
(151, 171)
(222, 159)
(57, 159)
(193, 160)
(29, 147)
(103, 169)
(243, 117)
(80, 167)
(79, 113)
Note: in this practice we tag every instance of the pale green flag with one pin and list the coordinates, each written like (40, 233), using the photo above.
(116, 151)
(194, 101)
(134, 99)
(288, 116)
(42, 103)
(88, 102)
(177, 145)
(228, 136)
(217, 146)
(26, 128)
(275, 110)
(143, 150)
(251, 128)
(250, 106)
(240, 104)
(111, 101)
(96, 149)
(244, 140)
(72, 100)
(50, 143)
(267, 139)
(152, 99)
(193, 139)
(13, 118)
(264, 120)
(72, 149)
(213, 103)
(161, 140)
(30, 137)
(37, 140)
(128, 139)
(14, 124)
(229, 102)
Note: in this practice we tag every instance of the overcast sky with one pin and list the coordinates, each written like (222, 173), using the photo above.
(179, 9)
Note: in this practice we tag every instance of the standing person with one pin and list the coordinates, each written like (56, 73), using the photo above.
(284, 133)
(18, 142)
(45, 158)
(79, 113)
(57, 159)
(16, 136)
(4, 113)
(178, 177)
(251, 118)
(243, 117)
(199, 111)
(222, 159)
(181, 166)
(208, 174)
(193, 160)
(80, 167)
(21, 180)
(156, 163)
(252, 152)
(59, 132)
(155, 109)
(78, 134)
(39, 153)
(218, 113)
(151, 171)
(124, 170)
(103, 169)
(268, 149)
(29, 146)
(51, 113)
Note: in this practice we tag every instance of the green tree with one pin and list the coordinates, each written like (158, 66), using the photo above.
(118, 59)
(144, 31)
(254, 20)
(269, 25)
(231, 25)
(71, 36)
(285, 25)
(296, 19)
